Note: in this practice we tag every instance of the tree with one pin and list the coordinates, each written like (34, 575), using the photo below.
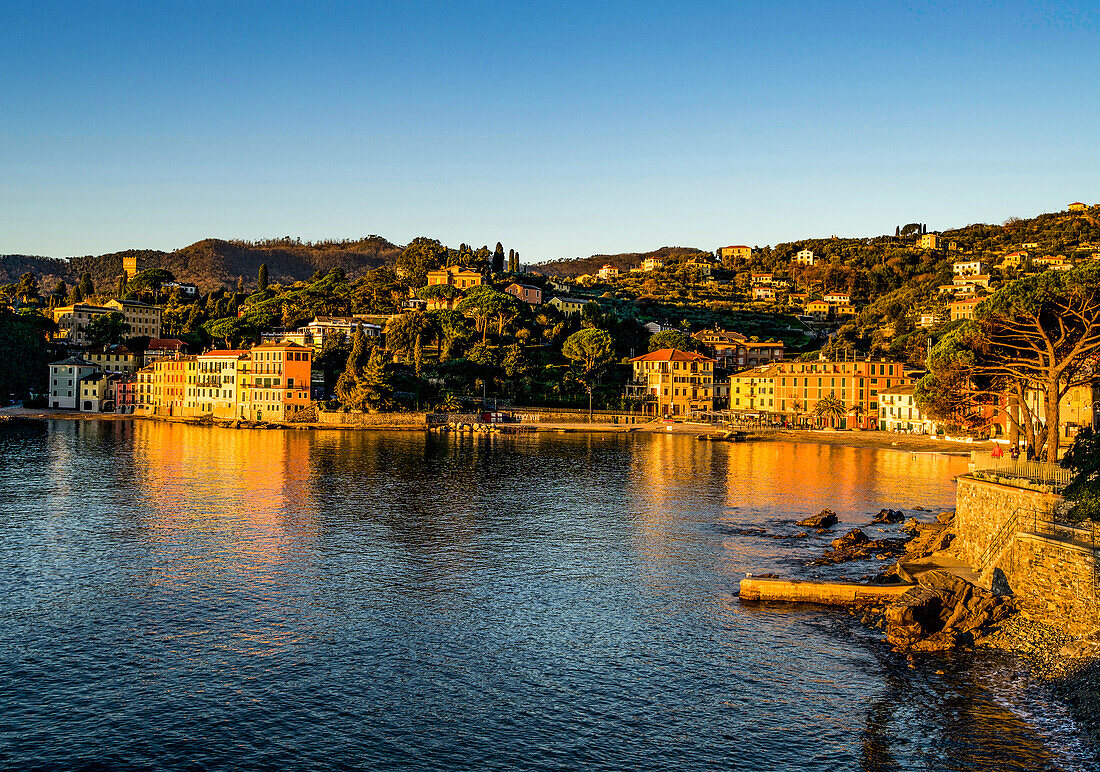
(439, 292)
(27, 289)
(149, 282)
(364, 384)
(483, 303)
(590, 350)
(240, 285)
(829, 408)
(87, 289)
(60, 292)
(672, 339)
(1083, 492)
(498, 258)
(120, 287)
(407, 333)
(420, 256)
(858, 411)
(452, 329)
(261, 278)
(511, 261)
(1037, 335)
(107, 329)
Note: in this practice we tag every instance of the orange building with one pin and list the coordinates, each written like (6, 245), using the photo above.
(274, 381)
(456, 276)
(794, 388)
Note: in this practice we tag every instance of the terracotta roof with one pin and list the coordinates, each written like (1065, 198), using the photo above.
(671, 355)
(163, 343)
(284, 344)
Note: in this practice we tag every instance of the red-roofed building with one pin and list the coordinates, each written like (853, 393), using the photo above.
(673, 383)
(164, 348)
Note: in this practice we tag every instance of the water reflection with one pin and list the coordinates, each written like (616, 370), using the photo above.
(191, 596)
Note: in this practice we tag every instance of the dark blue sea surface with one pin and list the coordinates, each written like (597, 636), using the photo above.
(177, 597)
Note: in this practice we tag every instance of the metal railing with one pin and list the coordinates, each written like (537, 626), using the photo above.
(983, 463)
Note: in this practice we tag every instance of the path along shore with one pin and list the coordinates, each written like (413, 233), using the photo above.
(867, 439)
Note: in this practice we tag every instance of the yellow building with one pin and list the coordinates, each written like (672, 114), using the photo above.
(674, 383)
(818, 309)
(456, 276)
(213, 387)
(274, 381)
(568, 306)
(114, 359)
(735, 252)
(930, 241)
(133, 265)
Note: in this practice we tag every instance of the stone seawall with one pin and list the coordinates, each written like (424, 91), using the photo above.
(1051, 569)
(982, 508)
(403, 420)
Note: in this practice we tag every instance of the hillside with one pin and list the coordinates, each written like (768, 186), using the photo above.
(214, 263)
(577, 266)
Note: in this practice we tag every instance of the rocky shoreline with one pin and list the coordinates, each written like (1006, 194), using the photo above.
(944, 612)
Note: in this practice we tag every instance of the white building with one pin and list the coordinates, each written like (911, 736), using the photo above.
(65, 381)
(897, 411)
(838, 297)
(967, 268)
(607, 273)
(805, 257)
(652, 264)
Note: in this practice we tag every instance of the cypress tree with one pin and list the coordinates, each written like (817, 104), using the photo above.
(120, 287)
(240, 284)
(261, 279)
(86, 286)
(498, 258)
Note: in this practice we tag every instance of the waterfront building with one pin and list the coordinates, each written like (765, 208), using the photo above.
(456, 276)
(213, 389)
(794, 388)
(97, 392)
(673, 383)
(525, 292)
(275, 381)
(898, 411)
(126, 393)
(65, 377)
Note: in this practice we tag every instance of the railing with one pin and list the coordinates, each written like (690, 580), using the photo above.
(985, 464)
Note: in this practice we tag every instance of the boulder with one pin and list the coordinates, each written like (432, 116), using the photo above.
(888, 516)
(940, 612)
(826, 519)
(849, 540)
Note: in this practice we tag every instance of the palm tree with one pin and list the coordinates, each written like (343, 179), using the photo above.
(858, 411)
(796, 408)
(829, 409)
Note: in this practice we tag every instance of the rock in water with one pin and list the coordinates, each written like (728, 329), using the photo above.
(826, 519)
(849, 540)
(940, 612)
(888, 516)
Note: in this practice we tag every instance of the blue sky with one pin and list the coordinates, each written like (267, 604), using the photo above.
(559, 129)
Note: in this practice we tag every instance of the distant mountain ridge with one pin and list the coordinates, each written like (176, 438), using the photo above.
(213, 263)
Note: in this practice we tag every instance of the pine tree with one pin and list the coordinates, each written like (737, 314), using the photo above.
(261, 279)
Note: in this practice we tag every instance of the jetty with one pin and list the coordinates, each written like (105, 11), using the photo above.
(825, 593)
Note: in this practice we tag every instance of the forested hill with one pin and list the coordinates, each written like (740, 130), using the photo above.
(578, 266)
(214, 263)
(1056, 233)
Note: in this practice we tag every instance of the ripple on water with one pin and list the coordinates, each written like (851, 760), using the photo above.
(190, 597)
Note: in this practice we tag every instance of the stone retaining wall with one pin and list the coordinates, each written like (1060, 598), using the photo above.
(1053, 581)
(1053, 576)
(340, 418)
(983, 507)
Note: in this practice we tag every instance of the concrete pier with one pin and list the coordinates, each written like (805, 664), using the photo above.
(827, 593)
